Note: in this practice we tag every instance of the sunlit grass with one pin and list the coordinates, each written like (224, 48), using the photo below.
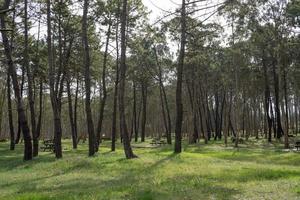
(257, 170)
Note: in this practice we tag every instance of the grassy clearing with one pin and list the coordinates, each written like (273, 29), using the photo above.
(255, 171)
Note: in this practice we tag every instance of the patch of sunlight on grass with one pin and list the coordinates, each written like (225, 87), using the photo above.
(257, 170)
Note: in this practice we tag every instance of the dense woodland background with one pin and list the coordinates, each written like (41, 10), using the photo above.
(100, 70)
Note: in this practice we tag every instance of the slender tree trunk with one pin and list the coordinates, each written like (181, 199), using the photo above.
(277, 108)
(286, 133)
(136, 135)
(75, 107)
(191, 92)
(87, 77)
(10, 115)
(144, 113)
(114, 117)
(104, 97)
(53, 95)
(179, 106)
(124, 132)
(13, 73)
(164, 102)
(30, 84)
(39, 123)
(71, 114)
(267, 100)
(2, 100)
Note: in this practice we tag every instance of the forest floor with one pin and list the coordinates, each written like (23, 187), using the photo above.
(257, 170)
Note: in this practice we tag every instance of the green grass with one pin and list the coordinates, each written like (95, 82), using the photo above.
(257, 170)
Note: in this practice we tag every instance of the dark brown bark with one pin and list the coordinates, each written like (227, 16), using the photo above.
(135, 122)
(267, 99)
(39, 123)
(279, 132)
(53, 93)
(286, 132)
(164, 102)
(104, 90)
(179, 106)
(114, 119)
(87, 76)
(12, 71)
(71, 114)
(144, 111)
(30, 84)
(10, 114)
(124, 132)
(191, 93)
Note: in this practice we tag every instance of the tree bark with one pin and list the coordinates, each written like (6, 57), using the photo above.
(104, 90)
(10, 114)
(279, 131)
(179, 106)
(13, 73)
(30, 84)
(87, 76)
(124, 132)
(144, 112)
(53, 93)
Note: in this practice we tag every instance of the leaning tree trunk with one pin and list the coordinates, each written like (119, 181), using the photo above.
(124, 132)
(87, 76)
(13, 72)
(179, 106)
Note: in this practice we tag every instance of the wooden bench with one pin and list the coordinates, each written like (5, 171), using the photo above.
(157, 141)
(291, 135)
(297, 145)
(48, 146)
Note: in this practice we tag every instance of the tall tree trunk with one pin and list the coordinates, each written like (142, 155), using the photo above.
(76, 106)
(87, 76)
(114, 117)
(144, 112)
(136, 133)
(13, 72)
(124, 132)
(71, 114)
(104, 93)
(39, 123)
(179, 106)
(277, 100)
(286, 132)
(191, 92)
(53, 93)
(10, 114)
(2, 100)
(267, 100)
(164, 102)
(30, 83)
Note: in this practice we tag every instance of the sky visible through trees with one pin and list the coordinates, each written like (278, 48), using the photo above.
(139, 86)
